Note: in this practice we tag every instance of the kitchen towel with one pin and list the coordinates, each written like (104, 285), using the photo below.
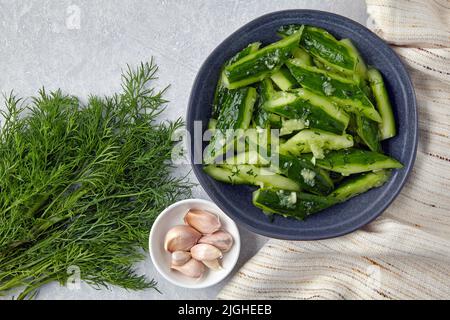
(405, 254)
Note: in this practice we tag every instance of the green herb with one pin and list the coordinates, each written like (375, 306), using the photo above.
(80, 185)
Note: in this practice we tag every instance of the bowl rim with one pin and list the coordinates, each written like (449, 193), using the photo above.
(200, 284)
(395, 188)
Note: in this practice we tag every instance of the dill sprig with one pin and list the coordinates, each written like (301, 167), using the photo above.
(81, 184)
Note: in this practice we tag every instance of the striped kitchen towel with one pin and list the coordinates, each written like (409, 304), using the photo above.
(405, 254)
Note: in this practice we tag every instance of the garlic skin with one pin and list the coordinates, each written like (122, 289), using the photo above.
(205, 251)
(181, 238)
(219, 239)
(192, 268)
(213, 264)
(180, 257)
(203, 221)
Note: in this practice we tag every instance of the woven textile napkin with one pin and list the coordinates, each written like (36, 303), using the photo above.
(405, 254)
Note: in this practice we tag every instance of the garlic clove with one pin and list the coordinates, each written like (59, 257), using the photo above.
(180, 257)
(219, 239)
(203, 221)
(204, 251)
(181, 238)
(192, 268)
(213, 264)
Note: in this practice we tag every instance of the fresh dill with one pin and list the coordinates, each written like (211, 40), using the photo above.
(81, 184)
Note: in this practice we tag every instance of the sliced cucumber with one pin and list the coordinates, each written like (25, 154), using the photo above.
(236, 113)
(368, 132)
(261, 117)
(263, 177)
(314, 110)
(387, 125)
(353, 161)
(212, 124)
(256, 66)
(288, 126)
(301, 54)
(324, 47)
(220, 93)
(343, 91)
(284, 79)
(303, 171)
(315, 141)
(290, 204)
(360, 73)
(251, 157)
(223, 174)
(360, 184)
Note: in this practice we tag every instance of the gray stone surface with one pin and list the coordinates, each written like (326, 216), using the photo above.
(80, 46)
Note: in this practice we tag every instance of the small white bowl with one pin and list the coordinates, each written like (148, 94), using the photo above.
(172, 216)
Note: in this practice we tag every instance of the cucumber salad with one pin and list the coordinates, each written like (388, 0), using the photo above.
(302, 119)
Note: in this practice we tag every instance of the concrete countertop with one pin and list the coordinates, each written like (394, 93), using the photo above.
(80, 46)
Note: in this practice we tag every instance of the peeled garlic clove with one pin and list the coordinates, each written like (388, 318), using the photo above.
(212, 264)
(205, 251)
(192, 268)
(219, 239)
(180, 257)
(203, 221)
(181, 238)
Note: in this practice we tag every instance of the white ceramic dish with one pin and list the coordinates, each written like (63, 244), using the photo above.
(172, 216)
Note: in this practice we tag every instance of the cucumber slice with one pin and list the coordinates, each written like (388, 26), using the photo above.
(284, 79)
(251, 157)
(303, 171)
(261, 117)
(387, 125)
(315, 141)
(360, 184)
(288, 126)
(251, 48)
(343, 91)
(290, 204)
(324, 47)
(353, 161)
(368, 132)
(223, 174)
(316, 111)
(236, 113)
(237, 110)
(360, 73)
(212, 124)
(301, 54)
(220, 93)
(263, 177)
(256, 66)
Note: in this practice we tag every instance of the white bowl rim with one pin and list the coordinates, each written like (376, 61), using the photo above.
(200, 284)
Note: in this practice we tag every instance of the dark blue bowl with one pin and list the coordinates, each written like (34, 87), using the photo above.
(338, 220)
